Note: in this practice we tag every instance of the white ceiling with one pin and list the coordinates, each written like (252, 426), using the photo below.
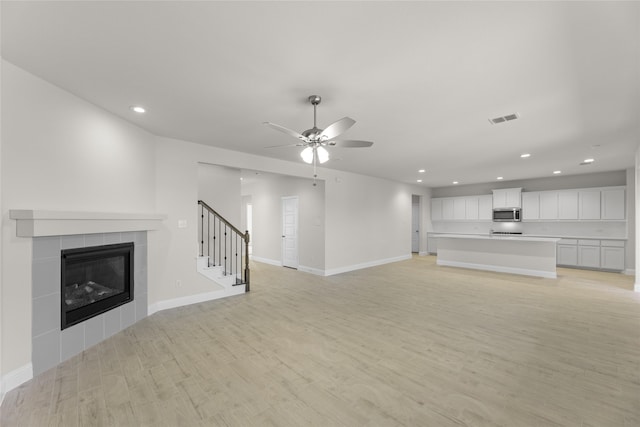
(420, 78)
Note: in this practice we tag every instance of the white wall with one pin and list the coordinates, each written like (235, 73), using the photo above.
(266, 191)
(637, 218)
(59, 153)
(2, 385)
(368, 220)
(630, 251)
(219, 187)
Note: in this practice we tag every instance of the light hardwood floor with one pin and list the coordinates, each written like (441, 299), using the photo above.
(408, 343)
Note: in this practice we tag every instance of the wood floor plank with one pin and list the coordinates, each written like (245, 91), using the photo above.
(403, 344)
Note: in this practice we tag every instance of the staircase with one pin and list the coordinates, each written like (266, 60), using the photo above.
(223, 252)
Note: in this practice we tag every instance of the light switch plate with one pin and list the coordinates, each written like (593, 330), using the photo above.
(182, 223)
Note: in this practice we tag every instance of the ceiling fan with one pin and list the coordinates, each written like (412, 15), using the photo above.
(315, 140)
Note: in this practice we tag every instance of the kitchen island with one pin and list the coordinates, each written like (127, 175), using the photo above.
(531, 256)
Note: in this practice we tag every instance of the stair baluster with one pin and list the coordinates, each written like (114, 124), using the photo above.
(239, 269)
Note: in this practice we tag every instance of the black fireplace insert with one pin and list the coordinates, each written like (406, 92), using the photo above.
(95, 280)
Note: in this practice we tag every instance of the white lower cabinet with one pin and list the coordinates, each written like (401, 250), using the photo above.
(567, 253)
(612, 255)
(588, 253)
(589, 256)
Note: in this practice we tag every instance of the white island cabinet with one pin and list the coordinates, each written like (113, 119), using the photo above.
(532, 256)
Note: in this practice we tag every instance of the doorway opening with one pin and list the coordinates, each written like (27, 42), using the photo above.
(415, 223)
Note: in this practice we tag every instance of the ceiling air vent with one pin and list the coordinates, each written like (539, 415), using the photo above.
(503, 119)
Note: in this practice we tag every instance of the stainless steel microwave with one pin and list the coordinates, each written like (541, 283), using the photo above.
(507, 215)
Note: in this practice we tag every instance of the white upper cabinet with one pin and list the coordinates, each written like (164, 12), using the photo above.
(507, 198)
(549, 205)
(531, 205)
(467, 208)
(613, 203)
(447, 209)
(584, 204)
(459, 208)
(589, 204)
(471, 208)
(568, 204)
(485, 207)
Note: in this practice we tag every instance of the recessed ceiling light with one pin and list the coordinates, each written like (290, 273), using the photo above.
(557, 172)
(419, 180)
(137, 109)
(422, 171)
(455, 182)
(500, 177)
(589, 160)
(525, 155)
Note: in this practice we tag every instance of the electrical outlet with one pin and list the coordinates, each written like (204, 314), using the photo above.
(182, 223)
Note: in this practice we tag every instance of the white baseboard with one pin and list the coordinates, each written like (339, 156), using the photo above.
(193, 299)
(630, 271)
(14, 379)
(353, 267)
(311, 270)
(499, 269)
(423, 253)
(275, 262)
(636, 287)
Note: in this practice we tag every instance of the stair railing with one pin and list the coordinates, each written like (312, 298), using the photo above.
(224, 245)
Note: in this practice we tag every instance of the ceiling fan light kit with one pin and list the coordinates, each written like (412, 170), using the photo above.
(315, 140)
(320, 154)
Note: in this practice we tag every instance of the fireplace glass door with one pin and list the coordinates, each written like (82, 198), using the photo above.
(95, 280)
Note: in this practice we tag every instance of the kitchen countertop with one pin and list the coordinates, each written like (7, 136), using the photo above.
(520, 236)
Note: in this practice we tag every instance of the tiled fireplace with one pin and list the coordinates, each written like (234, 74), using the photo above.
(50, 343)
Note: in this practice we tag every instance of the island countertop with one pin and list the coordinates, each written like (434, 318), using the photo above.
(521, 238)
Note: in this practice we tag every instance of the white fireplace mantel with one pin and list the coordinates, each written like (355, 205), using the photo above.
(36, 223)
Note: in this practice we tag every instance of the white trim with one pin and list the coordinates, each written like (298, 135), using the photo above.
(311, 270)
(636, 287)
(14, 379)
(275, 262)
(194, 299)
(499, 269)
(35, 223)
(424, 253)
(353, 267)
(630, 271)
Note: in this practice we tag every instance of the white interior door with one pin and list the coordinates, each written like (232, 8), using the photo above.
(415, 227)
(290, 232)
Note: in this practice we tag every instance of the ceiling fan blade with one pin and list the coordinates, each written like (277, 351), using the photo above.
(350, 143)
(336, 128)
(288, 131)
(301, 144)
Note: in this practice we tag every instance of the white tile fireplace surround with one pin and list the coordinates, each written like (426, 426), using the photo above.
(50, 344)
(54, 231)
